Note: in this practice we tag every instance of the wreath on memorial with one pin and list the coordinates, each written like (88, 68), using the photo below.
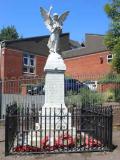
(49, 144)
(61, 142)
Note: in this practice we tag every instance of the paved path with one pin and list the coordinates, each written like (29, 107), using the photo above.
(115, 155)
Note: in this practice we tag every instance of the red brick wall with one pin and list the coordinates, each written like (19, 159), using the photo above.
(40, 63)
(11, 63)
(88, 65)
(12, 69)
(106, 86)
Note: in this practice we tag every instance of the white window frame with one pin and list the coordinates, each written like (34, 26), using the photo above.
(109, 58)
(28, 66)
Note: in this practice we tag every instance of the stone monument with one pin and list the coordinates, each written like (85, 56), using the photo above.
(54, 70)
(55, 66)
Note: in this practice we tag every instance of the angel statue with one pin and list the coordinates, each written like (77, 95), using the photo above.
(54, 24)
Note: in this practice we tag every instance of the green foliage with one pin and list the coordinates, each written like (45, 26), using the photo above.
(113, 9)
(109, 96)
(90, 98)
(107, 9)
(117, 94)
(112, 95)
(73, 100)
(113, 36)
(8, 33)
(85, 98)
(111, 39)
(116, 59)
(110, 78)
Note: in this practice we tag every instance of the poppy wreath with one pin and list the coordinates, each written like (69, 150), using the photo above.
(92, 142)
(64, 140)
(46, 145)
(26, 148)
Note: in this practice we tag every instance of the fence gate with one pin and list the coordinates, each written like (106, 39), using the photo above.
(58, 131)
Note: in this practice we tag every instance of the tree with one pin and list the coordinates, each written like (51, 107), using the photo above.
(112, 38)
(116, 59)
(9, 33)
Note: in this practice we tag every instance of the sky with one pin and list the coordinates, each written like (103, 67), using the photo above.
(86, 16)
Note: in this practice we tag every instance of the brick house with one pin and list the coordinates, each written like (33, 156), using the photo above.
(93, 59)
(27, 56)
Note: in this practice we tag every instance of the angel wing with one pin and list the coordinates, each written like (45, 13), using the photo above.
(47, 18)
(63, 17)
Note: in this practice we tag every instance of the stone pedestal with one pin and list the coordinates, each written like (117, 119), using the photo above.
(55, 119)
(54, 81)
(54, 96)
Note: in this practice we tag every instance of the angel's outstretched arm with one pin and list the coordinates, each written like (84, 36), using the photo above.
(51, 7)
(47, 18)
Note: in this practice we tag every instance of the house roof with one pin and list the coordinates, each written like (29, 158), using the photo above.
(93, 43)
(37, 45)
(74, 44)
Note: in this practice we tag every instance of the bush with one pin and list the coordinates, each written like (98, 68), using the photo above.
(73, 100)
(109, 96)
(112, 95)
(117, 95)
(90, 98)
(85, 98)
(116, 57)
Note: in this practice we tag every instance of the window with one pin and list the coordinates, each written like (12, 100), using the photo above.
(28, 63)
(109, 58)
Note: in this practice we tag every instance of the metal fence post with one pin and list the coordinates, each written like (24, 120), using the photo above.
(7, 134)
(111, 129)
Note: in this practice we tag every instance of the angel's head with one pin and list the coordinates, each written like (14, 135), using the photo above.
(55, 16)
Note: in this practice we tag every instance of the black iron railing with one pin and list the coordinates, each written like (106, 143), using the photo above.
(98, 123)
(53, 130)
(10, 127)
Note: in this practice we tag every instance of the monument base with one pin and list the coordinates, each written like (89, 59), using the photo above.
(50, 138)
(54, 125)
(54, 119)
